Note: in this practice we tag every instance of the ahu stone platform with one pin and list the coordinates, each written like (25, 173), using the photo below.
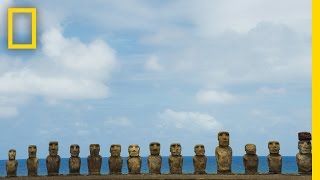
(171, 176)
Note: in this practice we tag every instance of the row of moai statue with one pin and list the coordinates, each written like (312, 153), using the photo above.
(223, 154)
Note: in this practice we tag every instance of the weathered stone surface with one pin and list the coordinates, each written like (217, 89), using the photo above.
(274, 158)
(175, 159)
(115, 160)
(53, 159)
(154, 159)
(134, 160)
(304, 157)
(94, 160)
(250, 159)
(223, 154)
(199, 160)
(32, 161)
(74, 160)
(12, 164)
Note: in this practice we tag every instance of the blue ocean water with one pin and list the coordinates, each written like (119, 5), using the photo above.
(289, 165)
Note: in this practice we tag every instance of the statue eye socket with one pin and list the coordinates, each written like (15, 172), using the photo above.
(277, 143)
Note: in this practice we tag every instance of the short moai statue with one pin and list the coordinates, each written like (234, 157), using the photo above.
(134, 160)
(12, 164)
(32, 161)
(274, 158)
(250, 159)
(94, 160)
(53, 159)
(115, 160)
(200, 159)
(223, 154)
(154, 159)
(74, 160)
(175, 159)
(304, 157)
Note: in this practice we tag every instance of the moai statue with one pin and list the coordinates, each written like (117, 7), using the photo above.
(274, 158)
(134, 160)
(175, 159)
(250, 159)
(53, 159)
(304, 157)
(200, 159)
(74, 160)
(32, 161)
(12, 164)
(115, 160)
(223, 154)
(154, 159)
(94, 160)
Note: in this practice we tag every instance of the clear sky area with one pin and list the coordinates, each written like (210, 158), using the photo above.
(133, 72)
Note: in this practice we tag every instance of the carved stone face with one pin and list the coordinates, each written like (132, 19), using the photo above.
(154, 148)
(53, 148)
(12, 154)
(94, 149)
(199, 149)
(74, 150)
(250, 149)
(32, 150)
(134, 150)
(274, 147)
(175, 149)
(304, 147)
(115, 150)
(223, 138)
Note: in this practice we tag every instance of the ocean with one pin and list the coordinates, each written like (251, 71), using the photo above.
(289, 165)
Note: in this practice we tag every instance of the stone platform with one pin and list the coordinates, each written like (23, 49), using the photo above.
(171, 176)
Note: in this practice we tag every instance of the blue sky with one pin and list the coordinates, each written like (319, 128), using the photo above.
(170, 71)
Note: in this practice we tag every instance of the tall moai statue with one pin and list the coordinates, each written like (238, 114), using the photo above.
(32, 161)
(175, 159)
(304, 157)
(274, 158)
(53, 159)
(134, 160)
(154, 159)
(223, 154)
(200, 159)
(74, 160)
(12, 164)
(115, 160)
(94, 160)
(250, 159)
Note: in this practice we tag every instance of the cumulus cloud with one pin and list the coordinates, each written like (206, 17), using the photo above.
(211, 96)
(152, 64)
(188, 120)
(7, 112)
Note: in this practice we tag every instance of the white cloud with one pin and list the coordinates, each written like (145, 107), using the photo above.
(152, 64)
(4, 5)
(188, 120)
(117, 121)
(211, 96)
(7, 112)
(272, 91)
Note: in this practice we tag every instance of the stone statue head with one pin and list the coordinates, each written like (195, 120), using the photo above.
(115, 150)
(223, 138)
(304, 136)
(12, 154)
(134, 150)
(94, 149)
(304, 147)
(32, 151)
(74, 150)
(53, 148)
(175, 149)
(250, 149)
(274, 147)
(154, 148)
(199, 150)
